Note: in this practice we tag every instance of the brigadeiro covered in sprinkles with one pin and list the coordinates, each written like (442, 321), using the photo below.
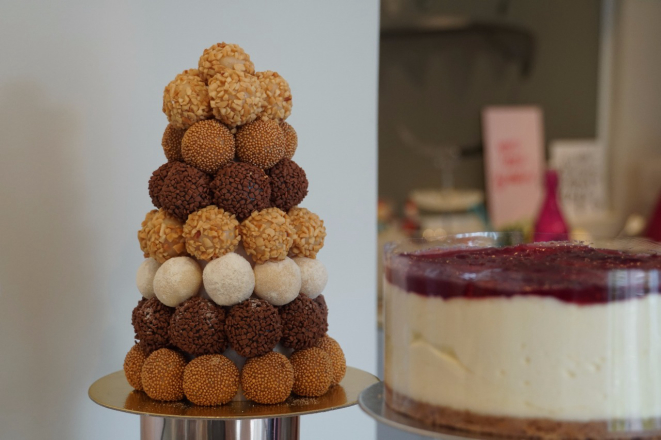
(133, 363)
(198, 327)
(303, 323)
(321, 301)
(156, 183)
(165, 239)
(207, 146)
(309, 235)
(289, 185)
(261, 143)
(211, 380)
(186, 100)
(313, 372)
(253, 327)
(222, 56)
(163, 375)
(267, 379)
(185, 190)
(211, 233)
(291, 139)
(236, 97)
(333, 349)
(171, 143)
(240, 189)
(267, 235)
(145, 230)
(277, 99)
(152, 323)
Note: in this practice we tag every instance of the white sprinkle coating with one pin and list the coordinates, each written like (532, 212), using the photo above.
(228, 280)
(177, 280)
(278, 282)
(223, 56)
(314, 276)
(186, 100)
(236, 97)
(145, 277)
(277, 100)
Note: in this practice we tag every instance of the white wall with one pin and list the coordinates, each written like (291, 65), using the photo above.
(80, 126)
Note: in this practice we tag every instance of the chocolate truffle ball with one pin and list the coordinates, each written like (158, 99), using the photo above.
(133, 363)
(197, 327)
(321, 302)
(211, 233)
(186, 100)
(185, 190)
(177, 280)
(291, 139)
(171, 143)
(236, 97)
(211, 380)
(135, 314)
(261, 143)
(266, 235)
(166, 237)
(228, 280)
(253, 327)
(145, 230)
(156, 182)
(267, 379)
(223, 56)
(333, 349)
(313, 276)
(309, 235)
(277, 99)
(303, 323)
(289, 186)
(207, 146)
(152, 323)
(144, 279)
(278, 282)
(163, 375)
(241, 189)
(313, 372)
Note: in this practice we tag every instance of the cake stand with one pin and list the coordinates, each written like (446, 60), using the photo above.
(235, 421)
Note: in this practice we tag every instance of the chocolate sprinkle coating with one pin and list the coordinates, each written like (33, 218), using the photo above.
(152, 323)
(198, 327)
(185, 190)
(240, 189)
(321, 302)
(253, 327)
(303, 323)
(156, 182)
(171, 143)
(135, 315)
(289, 185)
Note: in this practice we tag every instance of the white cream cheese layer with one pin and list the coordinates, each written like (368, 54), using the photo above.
(526, 356)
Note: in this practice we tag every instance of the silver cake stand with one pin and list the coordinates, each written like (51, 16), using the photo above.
(234, 421)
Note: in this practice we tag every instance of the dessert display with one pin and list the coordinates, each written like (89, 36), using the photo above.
(232, 305)
(552, 339)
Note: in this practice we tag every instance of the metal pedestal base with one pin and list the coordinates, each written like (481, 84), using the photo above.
(162, 428)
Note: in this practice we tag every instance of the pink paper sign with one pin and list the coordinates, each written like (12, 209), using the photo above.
(514, 163)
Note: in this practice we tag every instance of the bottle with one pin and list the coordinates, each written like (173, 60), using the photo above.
(550, 224)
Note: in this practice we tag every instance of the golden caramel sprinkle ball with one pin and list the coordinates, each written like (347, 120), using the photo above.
(207, 146)
(236, 97)
(291, 139)
(261, 143)
(166, 238)
(222, 56)
(163, 375)
(267, 235)
(309, 233)
(143, 234)
(211, 233)
(133, 363)
(171, 143)
(313, 372)
(277, 99)
(333, 349)
(211, 380)
(267, 379)
(186, 100)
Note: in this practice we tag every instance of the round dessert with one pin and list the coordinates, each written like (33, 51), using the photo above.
(211, 233)
(171, 143)
(333, 349)
(266, 235)
(313, 276)
(144, 279)
(223, 56)
(303, 323)
(228, 280)
(211, 380)
(207, 145)
(145, 229)
(260, 143)
(186, 100)
(151, 322)
(166, 237)
(236, 97)
(197, 327)
(321, 302)
(133, 363)
(177, 280)
(253, 327)
(184, 191)
(313, 372)
(156, 183)
(278, 282)
(289, 185)
(163, 375)
(291, 140)
(277, 99)
(566, 331)
(309, 233)
(267, 379)
(241, 189)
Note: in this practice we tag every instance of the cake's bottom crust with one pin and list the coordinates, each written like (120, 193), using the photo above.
(520, 427)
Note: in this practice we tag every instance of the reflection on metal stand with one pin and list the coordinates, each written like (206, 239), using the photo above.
(162, 428)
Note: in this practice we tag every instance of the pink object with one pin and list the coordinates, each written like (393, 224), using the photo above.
(550, 224)
(653, 230)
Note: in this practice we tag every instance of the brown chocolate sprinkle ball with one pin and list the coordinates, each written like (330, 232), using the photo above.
(291, 139)
(163, 375)
(222, 56)
(185, 190)
(207, 146)
(156, 183)
(171, 143)
(330, 346)
(133, 363)
(277, 100)
(211, 233)
(261, 143)
(145, 230)
(309, 235)
(211, 380)
(198, 327)
(135, 315)
(166, 237)
(289, 185)
(186, 100)
(253, 327)
(313, 372)
(236, 97)
(152, 322)
(267, 235)
(321, 302)
(303, 323)
(241, 189)
(267, 379)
